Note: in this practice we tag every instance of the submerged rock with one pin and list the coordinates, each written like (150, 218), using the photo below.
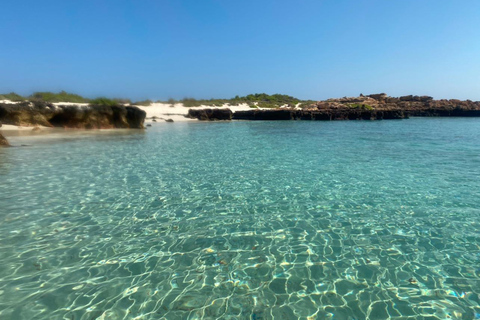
(3, 141)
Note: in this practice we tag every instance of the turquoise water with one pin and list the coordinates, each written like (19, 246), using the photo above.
(244, 220)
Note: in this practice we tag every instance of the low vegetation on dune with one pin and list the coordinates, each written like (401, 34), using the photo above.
(102, 101)
(12, 96)
(263, 100)
(61, 96)
(122, 101)
(144, 103)
(257, 100)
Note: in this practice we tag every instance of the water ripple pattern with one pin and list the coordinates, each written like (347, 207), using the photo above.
(244, 220)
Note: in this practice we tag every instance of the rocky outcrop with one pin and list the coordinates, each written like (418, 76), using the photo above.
(135, 117)
(416, 98)
(377, 96)
(418, 106)
(3, 141)
(81, 117)
(255, 114)
(319, 115)
(210, 114)
(26, 114)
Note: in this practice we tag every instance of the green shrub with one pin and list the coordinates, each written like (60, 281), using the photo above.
(102, 101)
(359, 106)
(275, 99)
(190, 102)
(144, 103)
(12, 96)
(122, 100)
(268, 105)
(261, 100)
(62, 96)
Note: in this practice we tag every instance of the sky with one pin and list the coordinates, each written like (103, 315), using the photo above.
(310, 49)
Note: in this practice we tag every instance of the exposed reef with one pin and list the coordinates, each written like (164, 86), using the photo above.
(72, 116)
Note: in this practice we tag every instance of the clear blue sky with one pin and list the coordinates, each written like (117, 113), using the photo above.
(311, 49)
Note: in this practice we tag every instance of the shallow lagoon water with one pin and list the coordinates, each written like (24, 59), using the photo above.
(244, 220)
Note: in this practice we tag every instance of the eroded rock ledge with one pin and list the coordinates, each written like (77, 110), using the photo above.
(73, 116)
(325, 115)
(210, 114)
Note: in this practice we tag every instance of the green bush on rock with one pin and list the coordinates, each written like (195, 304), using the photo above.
(359, 106)
(102, 101)
(62, 96)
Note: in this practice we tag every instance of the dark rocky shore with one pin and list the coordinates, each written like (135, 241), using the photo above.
(371, 107)
(72, 116)
(325, 115)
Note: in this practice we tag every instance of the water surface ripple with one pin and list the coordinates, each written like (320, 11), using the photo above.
(244, 220)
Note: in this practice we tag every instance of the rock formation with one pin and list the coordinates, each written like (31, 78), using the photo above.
(314, 114)
(3, 141)
(419, 106)
(275, 114)
(369, 107)
(82, 117)
(210, 114)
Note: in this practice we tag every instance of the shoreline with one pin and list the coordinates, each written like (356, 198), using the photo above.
(178, 112)
(370, 107)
